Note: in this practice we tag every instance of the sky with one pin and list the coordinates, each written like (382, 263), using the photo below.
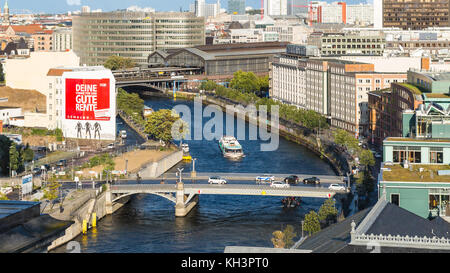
(62, 6)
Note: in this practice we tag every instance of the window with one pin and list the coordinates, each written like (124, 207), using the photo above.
(436, 155)
(395, 199)
(402, 153)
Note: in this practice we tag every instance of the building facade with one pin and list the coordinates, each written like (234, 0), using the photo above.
(349, 43)
(334, 88)
(62, 39)
(415, 14)
(135, 35)
(43, 41)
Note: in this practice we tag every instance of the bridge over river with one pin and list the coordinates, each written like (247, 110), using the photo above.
(185, 196)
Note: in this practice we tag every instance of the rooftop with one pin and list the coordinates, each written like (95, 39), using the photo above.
(407, 139)
(10, 207)
(428, 174)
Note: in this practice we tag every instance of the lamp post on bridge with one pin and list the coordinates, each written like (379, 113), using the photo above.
(193, 172)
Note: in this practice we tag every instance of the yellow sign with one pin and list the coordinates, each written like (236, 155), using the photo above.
(263, 192)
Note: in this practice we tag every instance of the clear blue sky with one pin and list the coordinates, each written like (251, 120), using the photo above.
(62, 6)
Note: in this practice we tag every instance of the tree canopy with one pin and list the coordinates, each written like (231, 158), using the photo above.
(328, 210)
(115, 62)
(366, 158)
(161, 124)
(311, 223)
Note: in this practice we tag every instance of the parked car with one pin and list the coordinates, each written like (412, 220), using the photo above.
(312, 180)
(36, 170)
(110, 146)
(378, 155)
(216, 180)
(61, 163)
(279, 184)
(266, 178)
(292, 179)
(336, 187)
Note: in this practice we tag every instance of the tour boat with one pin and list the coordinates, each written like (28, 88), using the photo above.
(185, 148)
(230, 147)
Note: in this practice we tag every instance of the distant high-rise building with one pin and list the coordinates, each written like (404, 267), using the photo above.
(236, 6)
(135, 35)
(277, 7)
(85, 9)
(201, 9)
(415, 14)
(297, 7)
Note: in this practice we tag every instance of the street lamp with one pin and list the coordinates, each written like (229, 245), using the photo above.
(303, 221)
(180, 172)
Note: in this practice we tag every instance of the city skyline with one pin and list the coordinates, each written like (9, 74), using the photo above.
(63, 6)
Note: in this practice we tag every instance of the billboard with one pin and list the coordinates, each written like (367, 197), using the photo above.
(90, 105)
(27, 184)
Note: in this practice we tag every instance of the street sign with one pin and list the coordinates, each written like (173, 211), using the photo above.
(27, 184)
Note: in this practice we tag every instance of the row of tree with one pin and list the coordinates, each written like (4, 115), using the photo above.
(365, 182)
(246, 88)
(312, 223)
(115, 62)
(131, 104)
(13, 156)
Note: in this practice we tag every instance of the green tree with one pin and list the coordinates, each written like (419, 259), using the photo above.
(328, 211)
(311, 223)
(160, 123)
(5, 144)
(14, 160)
(246, 82)
(288, 236)
(2, 74)
(366, 158)
(115, 62)
(278, 239)
(131, 104)
(51, 191)
(208, 85)
(28, 153)
(3, 197)
(365, 183)
(346, 139)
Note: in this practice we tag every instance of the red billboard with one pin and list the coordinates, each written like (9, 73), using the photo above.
(88, 99)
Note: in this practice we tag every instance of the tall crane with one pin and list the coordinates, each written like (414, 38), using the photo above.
(311, 11)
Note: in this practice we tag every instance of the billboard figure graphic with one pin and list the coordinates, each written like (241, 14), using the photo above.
(88, 130)
(97, 129)
(79, 127)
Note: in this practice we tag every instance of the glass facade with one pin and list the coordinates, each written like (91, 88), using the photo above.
(133, 34)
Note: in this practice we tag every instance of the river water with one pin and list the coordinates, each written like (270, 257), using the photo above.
(148, 223)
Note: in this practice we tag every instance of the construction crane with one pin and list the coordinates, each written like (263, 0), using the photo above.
(310, 11)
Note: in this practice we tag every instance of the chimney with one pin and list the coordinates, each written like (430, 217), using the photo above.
(425, 63)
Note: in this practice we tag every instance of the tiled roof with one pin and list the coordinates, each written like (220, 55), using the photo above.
(57, 72)
(392, 220)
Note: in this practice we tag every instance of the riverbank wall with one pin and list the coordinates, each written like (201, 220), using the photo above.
(157, 168)
(89, 208)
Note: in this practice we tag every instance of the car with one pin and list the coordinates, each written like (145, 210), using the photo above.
(279, 184)
(336, 187)
(61, 163)
(377, 155)
(292, 179)
(265, 178)
(312, 180)
(216, 180)
(110, 146)
(123, 134)
(36, 170)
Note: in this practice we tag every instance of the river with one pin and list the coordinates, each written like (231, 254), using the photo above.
(148, 224)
